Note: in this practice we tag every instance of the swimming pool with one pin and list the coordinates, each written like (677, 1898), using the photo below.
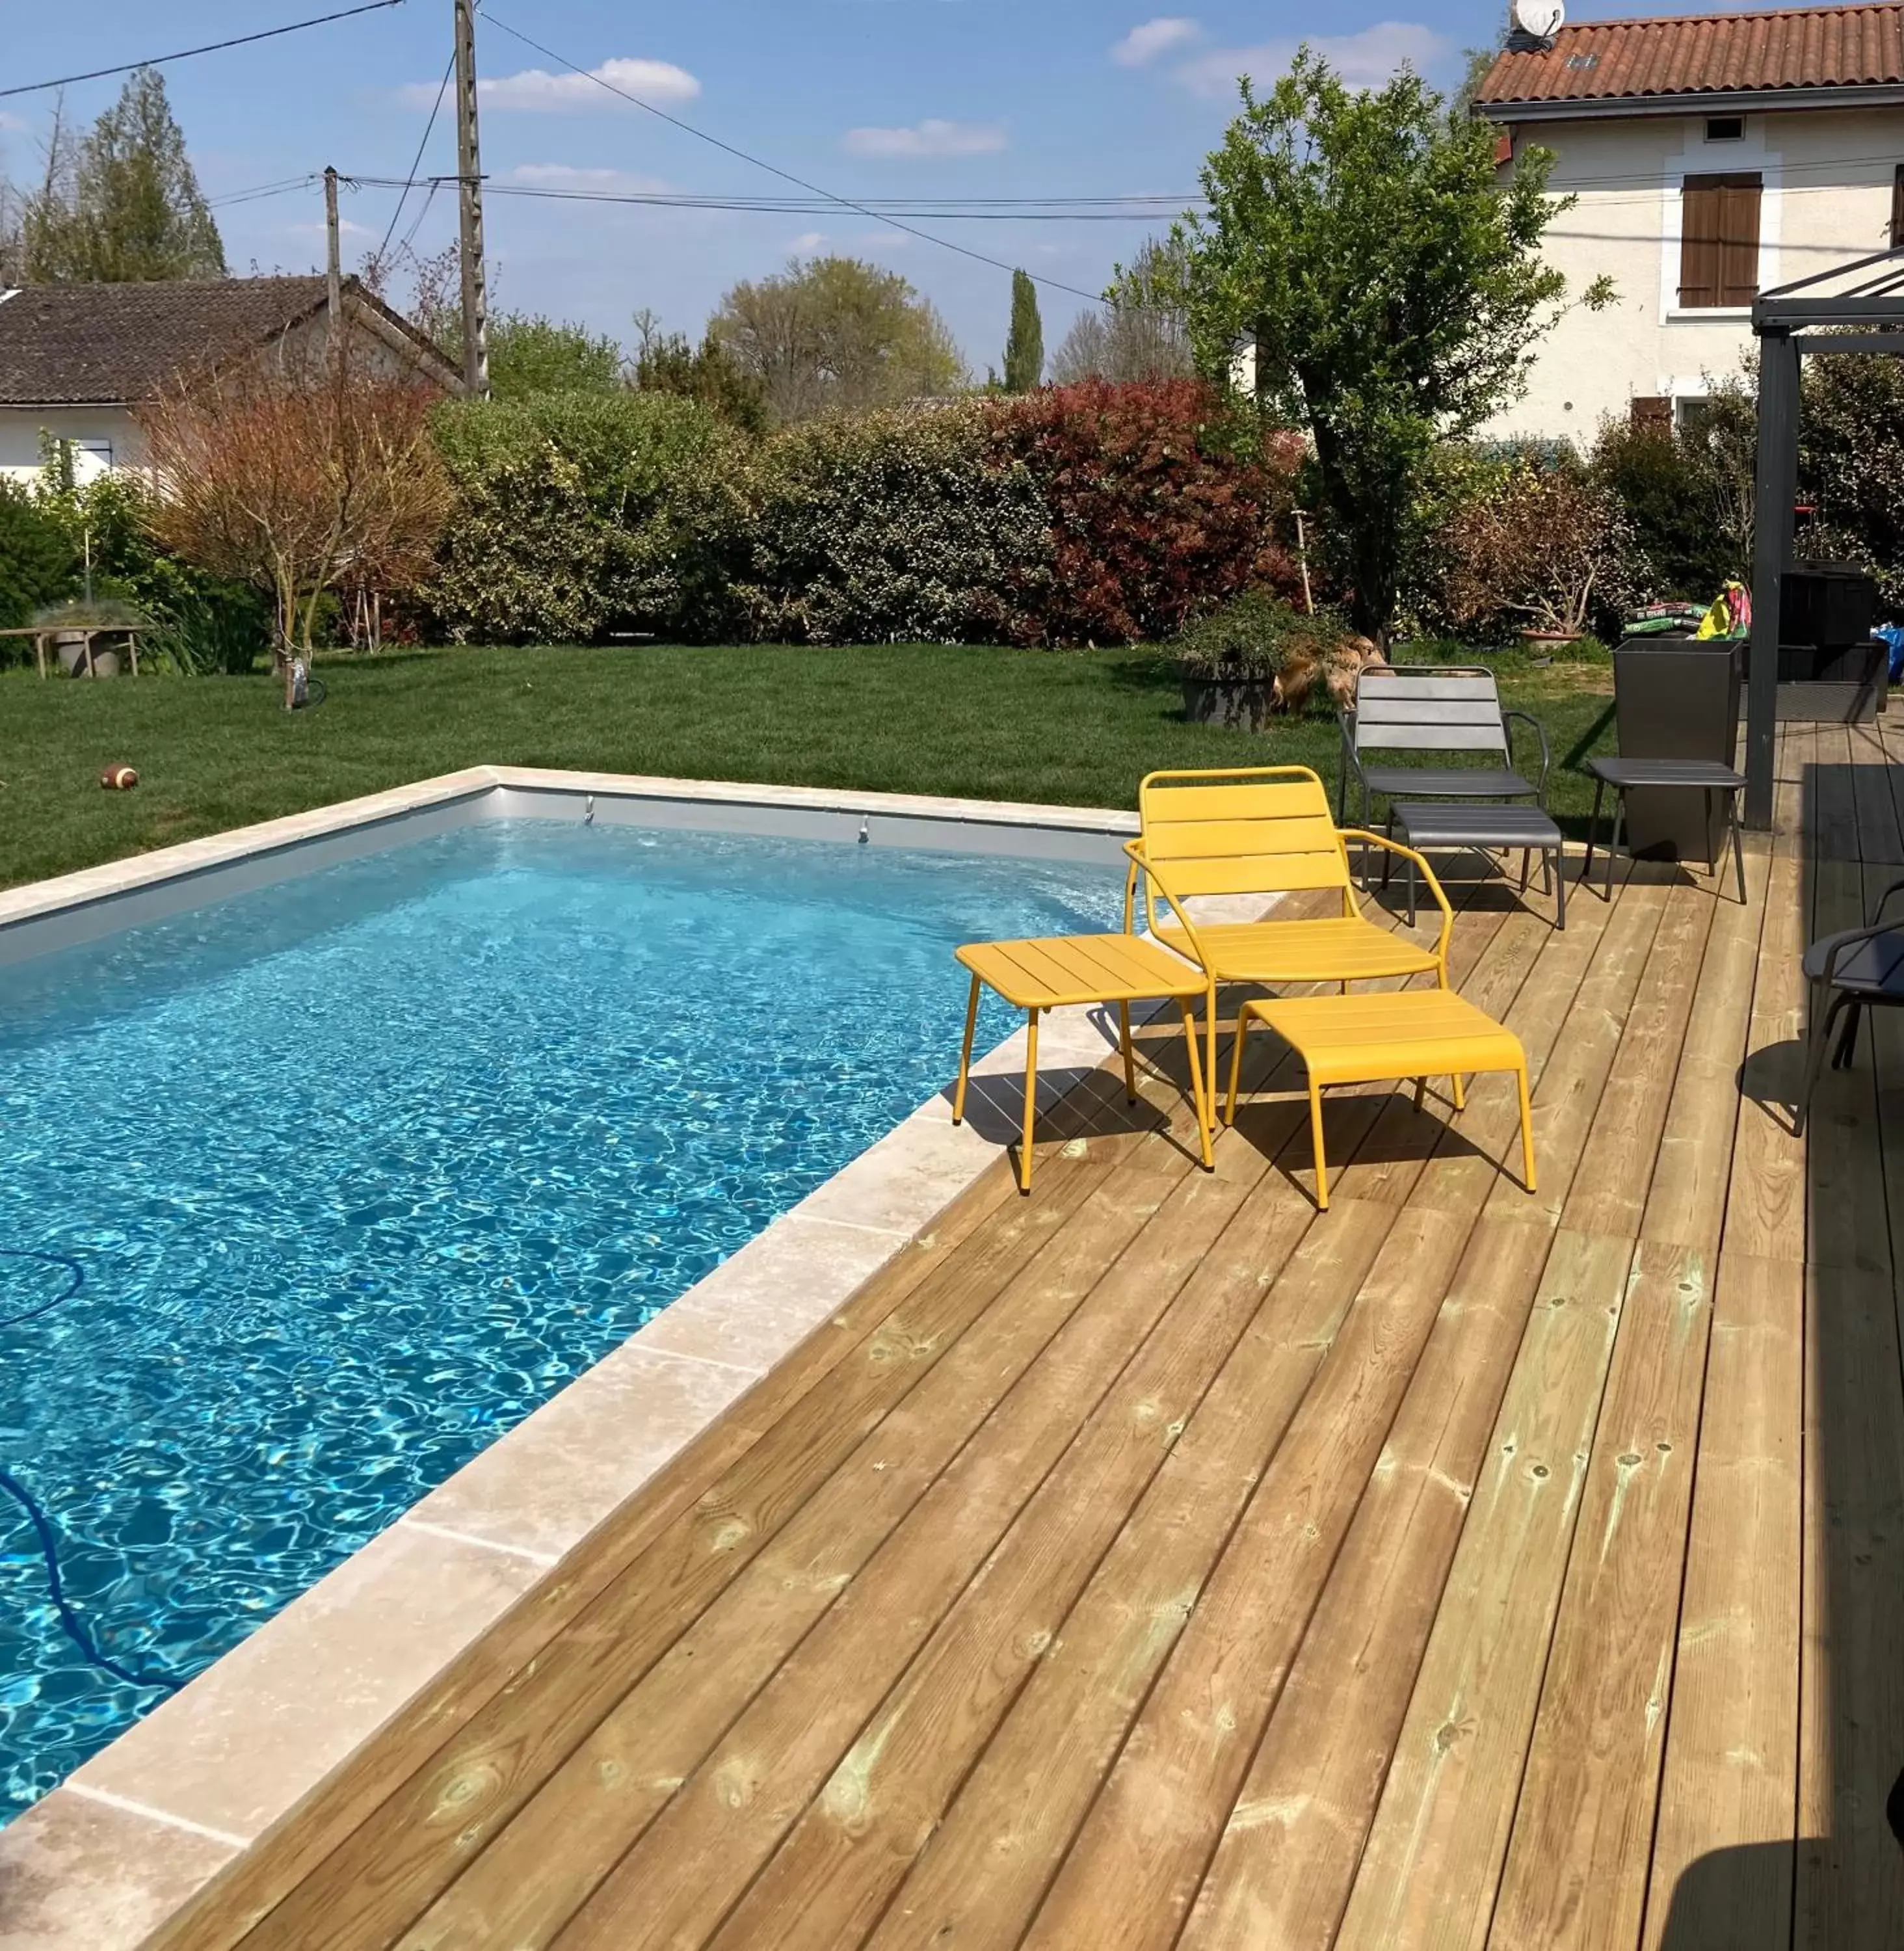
(307, 1197)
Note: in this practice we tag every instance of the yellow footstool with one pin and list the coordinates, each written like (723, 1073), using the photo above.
(1389, 1037)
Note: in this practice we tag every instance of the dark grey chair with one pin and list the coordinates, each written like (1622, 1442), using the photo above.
(1440, 709)
(1846, 973)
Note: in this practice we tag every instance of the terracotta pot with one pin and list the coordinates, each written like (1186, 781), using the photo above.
(1542, 640)
(1244, 704)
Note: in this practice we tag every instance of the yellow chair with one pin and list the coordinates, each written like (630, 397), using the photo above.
(1266, 830)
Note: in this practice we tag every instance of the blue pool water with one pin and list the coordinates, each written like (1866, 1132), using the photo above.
(307, 1197)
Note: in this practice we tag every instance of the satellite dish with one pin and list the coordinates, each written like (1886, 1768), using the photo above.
(1538, 19)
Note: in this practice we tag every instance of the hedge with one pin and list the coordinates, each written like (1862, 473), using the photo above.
(1090, 514)
(579, 514)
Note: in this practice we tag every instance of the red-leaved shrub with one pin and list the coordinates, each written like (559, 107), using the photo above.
(1151, 518)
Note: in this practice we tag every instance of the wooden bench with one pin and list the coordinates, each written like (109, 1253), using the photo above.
(42, 634)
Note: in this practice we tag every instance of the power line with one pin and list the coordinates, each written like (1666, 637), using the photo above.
(210, 48)
(786, 175)
(281, 188)
(410, 174)
(1002, 209)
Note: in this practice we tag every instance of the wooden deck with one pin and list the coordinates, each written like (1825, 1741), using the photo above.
(1155, 1563)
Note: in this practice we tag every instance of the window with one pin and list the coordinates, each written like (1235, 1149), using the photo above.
(1725, 128)
(1897, 208)
(1718, 241)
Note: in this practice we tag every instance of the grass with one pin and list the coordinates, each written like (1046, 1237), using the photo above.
(1076, 729)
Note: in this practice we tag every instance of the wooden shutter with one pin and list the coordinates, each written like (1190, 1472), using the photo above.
(1897, 207)
(1719, 242)
(1652, 412)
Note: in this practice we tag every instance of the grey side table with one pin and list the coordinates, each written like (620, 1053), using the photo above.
(1692, 775)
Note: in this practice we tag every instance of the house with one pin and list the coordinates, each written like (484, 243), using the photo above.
(76, 359)
(1712, 156)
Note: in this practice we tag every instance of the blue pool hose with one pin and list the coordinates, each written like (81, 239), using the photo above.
(77, 1630)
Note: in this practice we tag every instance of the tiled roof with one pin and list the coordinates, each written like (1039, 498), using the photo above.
(1706, 54)
(69, 344)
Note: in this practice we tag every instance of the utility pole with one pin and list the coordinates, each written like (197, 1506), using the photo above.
(333, 274)
(468, 169)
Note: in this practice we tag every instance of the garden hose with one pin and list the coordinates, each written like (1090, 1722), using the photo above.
(74, 1627)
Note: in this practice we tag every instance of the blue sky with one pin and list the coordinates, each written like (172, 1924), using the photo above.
(952, 98)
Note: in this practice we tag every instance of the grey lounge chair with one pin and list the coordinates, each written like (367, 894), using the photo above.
(1846, 973)
(1442, 710)
(1434, 708)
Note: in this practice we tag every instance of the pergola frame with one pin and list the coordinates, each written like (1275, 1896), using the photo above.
(1786, 321)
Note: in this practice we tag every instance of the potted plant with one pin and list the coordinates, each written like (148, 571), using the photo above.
(1255, 657)
(1535, 553)
(75, 629)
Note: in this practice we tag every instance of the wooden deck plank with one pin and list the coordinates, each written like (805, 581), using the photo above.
(1131, 1876)
(1281, 1873)
(1429, 1871)
(1576, 1870)
(1722, 1860)
(1289, 1856)
(994, 1853)
(1850, 1872)
(1881, 831)
(649, 1901)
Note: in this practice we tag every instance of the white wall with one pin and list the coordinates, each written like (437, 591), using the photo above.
(105, 437)
(1827, 176)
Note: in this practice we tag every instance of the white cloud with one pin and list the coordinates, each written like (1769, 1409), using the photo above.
(346, 228)
(1364, 60)
(566, 176)
(1143, 45)
(536, 88)
(10, 123)
(806, 243)
(930, 138)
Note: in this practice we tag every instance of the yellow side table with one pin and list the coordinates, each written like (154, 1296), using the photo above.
(1062, 971)
(1384, 1037)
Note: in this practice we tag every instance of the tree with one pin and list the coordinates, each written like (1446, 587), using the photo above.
(125, 206)
(1139, 333)
(37, 562)
(665, 362)
(321, 478)
(529, 354)
(836, 334)
(1392, 288)
(1024, 345)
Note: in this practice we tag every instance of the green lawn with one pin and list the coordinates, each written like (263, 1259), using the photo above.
(1076, 729)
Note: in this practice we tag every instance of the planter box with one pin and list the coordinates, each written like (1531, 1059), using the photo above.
(1676, 700)
(1244, 704)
